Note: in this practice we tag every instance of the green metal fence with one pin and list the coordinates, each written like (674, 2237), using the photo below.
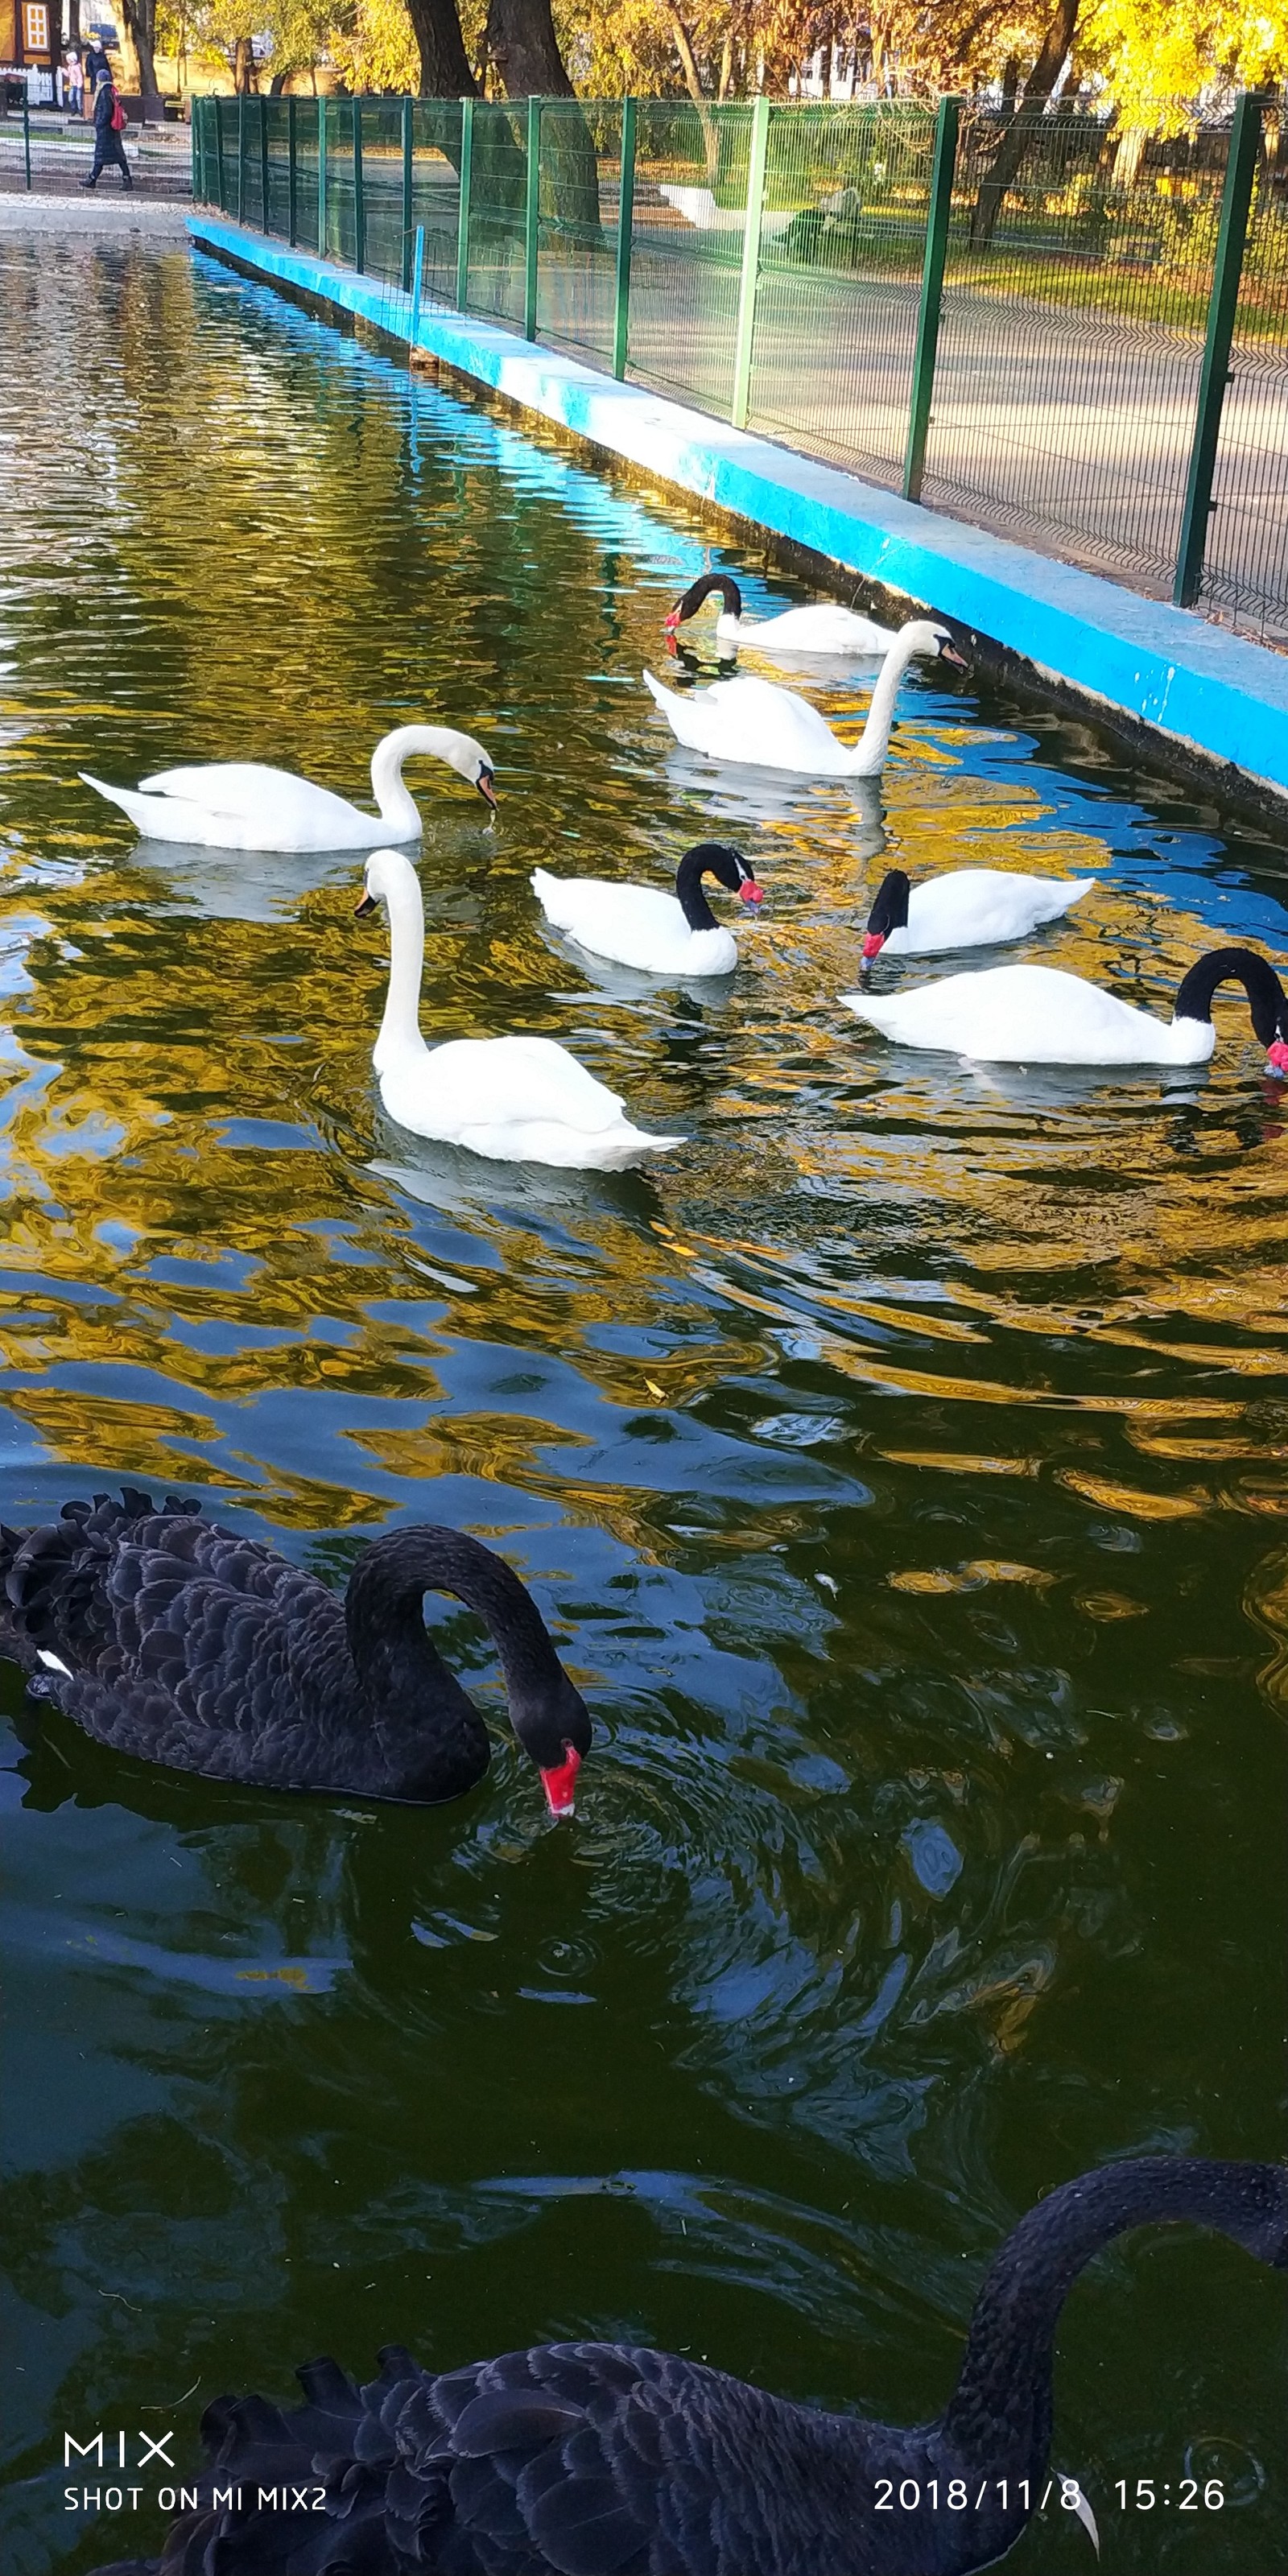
(1087, 350)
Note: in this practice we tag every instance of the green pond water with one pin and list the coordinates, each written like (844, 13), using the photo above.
(900, 1467)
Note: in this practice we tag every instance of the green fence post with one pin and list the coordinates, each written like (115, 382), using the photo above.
(942, 168)
(406, 194)
(463, 205)
(292, 175)
(625, 238)
(200, 174)
(1227, 270)
(241, 157)
(359, 202)
(263, 163)
(219, 155)
(417, 283)
(26, 133)
(532, 221)
(750, 263)
(321, 178)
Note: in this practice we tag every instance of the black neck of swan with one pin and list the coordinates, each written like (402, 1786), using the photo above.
(999, 2416)
(388, 1643)
(890, 906)
(1267, 1000)
(707, 859)
(731, 596)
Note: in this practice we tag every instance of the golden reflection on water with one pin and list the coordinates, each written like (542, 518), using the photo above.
(889, 1463)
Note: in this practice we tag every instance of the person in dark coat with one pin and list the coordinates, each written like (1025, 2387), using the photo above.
(97, 66)
(108, 147)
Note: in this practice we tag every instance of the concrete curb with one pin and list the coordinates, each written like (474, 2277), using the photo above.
(1209, 695)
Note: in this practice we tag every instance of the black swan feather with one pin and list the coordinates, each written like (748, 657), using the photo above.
(585, 2459)
(166, 1636)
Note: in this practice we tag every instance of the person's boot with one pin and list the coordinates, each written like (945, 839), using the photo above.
(87, 183)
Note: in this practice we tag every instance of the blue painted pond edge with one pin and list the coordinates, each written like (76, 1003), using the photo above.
(1206, 694)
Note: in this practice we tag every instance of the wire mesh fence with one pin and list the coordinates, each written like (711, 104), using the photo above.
(777, 265)
(842, 240)
(1071, 340)
(690, 211)
(1245, 576)
(49, 152)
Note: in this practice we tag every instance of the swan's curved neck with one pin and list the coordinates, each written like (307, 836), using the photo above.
(384, 1602)
(1000, 2411)
(690, 892)
(1267, 1000)
(723, 584)
(395, 804)
(874, 741)
(400, 1026)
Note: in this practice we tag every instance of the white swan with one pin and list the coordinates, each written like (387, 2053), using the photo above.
(756, 722)
(240, 805)
(971, 908)
(515, 1100)
(1037, 1015)
(820, 628)
(662, 934)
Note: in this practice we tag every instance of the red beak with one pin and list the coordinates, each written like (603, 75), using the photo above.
(873, 942)
(751, 892)
(560, 1783)
(1277, 1060)
(671, 621)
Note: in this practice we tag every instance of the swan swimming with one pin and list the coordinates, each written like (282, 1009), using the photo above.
(1039, 1015)
(662, 934)
(240, 805)
(198, 1647)
(823, 627)
(513, 1099)
(768, 727)
(969, 908)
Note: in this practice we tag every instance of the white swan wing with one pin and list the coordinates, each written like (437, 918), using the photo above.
(524, 1081)
(1018, 1015)
(250, 791)
(751, 720)
(974, 906)
(822, 628)
(634, 925)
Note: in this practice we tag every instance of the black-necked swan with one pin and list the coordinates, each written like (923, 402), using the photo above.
(970, 908)
(768, 727)
(514, 1100)
(820, 628)
(1039, 1015)
(661, 934)
(170, 1638)
(240, 805)
(609, 2459)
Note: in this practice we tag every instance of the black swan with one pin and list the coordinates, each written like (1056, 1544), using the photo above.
(595, 2459)
(166, 1636)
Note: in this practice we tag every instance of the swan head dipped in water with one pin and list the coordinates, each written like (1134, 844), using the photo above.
(170, 1638)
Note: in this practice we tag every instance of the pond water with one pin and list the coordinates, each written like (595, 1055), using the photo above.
(900, 1467)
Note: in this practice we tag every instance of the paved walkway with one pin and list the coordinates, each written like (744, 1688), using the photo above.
(90, 218)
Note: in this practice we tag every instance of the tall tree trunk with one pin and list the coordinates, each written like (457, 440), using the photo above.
(444, 64)
(243, 67)
(140, 18)
(693, 84)
(1028, 116)
(522, 44)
